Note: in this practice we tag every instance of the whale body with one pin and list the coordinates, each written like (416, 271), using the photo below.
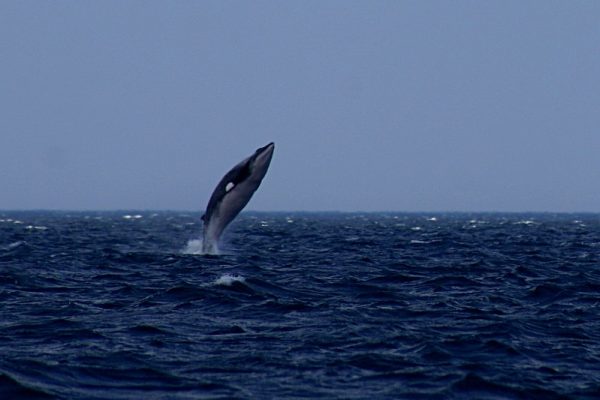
(232, 194)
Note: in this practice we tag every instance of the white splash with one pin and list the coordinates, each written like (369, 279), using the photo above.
(194, 247)
(229, 279)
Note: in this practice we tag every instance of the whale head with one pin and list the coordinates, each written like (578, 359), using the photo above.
(260, 161)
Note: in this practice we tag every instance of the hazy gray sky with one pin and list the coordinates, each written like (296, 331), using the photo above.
(373, 105)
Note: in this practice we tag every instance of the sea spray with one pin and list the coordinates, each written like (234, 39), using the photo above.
(196, 247)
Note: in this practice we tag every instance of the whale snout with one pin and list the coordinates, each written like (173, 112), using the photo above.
(263, 155)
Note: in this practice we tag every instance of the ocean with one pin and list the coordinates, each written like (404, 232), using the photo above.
(119, 305)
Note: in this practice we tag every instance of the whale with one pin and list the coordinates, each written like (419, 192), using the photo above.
(232, 194)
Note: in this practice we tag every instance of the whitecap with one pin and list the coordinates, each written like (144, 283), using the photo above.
(525, 222)
(40, 228)
(128, 216)
(229, 279)
(15, 244)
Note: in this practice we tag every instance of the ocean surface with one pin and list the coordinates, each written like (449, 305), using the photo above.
(119, 305)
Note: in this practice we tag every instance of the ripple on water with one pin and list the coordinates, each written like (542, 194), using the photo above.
(101, 305)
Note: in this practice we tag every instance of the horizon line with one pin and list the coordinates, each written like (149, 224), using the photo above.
(83, 210)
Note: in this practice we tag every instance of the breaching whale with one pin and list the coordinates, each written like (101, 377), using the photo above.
(232, 194)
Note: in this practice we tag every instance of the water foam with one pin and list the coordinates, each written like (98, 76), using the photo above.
(15, 245)
(136, 216)
(194, 247)
(41, 228)
(229, 279)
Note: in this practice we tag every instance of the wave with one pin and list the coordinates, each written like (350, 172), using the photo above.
(229, 279)
(11, 388)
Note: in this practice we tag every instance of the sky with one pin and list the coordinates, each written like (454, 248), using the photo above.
(372, 105)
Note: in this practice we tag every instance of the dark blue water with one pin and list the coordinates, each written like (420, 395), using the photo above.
(348, 306)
